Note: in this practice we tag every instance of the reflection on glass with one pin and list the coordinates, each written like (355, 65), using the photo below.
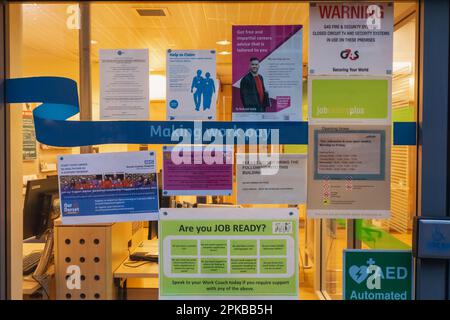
(396, 232)
(306, 256)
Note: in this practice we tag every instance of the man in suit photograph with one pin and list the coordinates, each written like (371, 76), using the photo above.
(254, 96)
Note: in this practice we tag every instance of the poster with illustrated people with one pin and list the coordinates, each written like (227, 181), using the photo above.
(191, 85)
(267, 73)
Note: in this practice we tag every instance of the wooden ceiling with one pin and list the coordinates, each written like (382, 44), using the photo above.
(193, 25)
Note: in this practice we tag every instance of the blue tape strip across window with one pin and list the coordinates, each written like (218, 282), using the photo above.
(59, 98)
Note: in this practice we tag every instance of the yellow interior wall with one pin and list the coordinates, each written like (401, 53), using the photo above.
(46, 64)
(14, 163)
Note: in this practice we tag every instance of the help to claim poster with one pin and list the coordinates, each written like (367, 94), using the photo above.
(267, 73)
(191, 85)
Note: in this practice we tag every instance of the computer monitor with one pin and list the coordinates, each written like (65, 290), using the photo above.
(164, 202)
(38, 206)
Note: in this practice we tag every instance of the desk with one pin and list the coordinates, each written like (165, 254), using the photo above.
(142, 269)
(29, 285)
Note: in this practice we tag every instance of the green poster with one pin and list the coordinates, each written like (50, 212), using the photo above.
(340, 98)
(228, 252)
(377, 275)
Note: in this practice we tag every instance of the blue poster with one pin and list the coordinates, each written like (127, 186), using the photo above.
(192, 87)
(108, 187)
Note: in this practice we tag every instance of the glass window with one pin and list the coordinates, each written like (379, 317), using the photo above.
(46, 43)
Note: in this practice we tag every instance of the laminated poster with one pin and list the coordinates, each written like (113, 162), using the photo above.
(108, 187)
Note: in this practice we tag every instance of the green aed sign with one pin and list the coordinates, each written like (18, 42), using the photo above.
(377, 275)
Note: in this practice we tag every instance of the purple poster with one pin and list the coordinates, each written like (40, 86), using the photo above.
(197, 172)
(267, 73)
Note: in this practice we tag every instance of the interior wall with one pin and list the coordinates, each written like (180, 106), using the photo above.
(14, 161)
(32, 67)
(3, 247)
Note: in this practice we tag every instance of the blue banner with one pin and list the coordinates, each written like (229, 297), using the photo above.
(59, 98)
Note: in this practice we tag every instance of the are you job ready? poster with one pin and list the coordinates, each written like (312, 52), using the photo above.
(232, 253)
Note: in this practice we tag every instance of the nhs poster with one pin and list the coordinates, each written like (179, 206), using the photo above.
(267, 73)
(191, 85)
(108, 187)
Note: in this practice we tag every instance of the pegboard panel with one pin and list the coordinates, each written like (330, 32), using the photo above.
(89, 248)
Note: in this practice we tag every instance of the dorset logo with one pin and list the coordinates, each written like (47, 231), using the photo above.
(377, 274)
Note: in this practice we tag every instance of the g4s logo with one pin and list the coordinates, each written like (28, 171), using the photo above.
(348, 54)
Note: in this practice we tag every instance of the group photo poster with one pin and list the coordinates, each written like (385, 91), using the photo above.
(358, 100)
(228, 253)
(350, 38)
(286, 186)
(108, 187)
(349, 171)
(267, 73)
(195, 171)
(124, 84)
(191, 85)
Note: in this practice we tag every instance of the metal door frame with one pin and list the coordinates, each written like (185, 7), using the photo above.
(433, 276)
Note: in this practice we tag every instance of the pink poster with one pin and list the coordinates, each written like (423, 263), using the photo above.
(197, 172)
(267, 73)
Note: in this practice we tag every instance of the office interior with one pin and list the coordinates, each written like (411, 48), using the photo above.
(47, 43)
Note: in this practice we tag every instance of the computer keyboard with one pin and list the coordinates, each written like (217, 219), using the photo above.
(31, 261)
